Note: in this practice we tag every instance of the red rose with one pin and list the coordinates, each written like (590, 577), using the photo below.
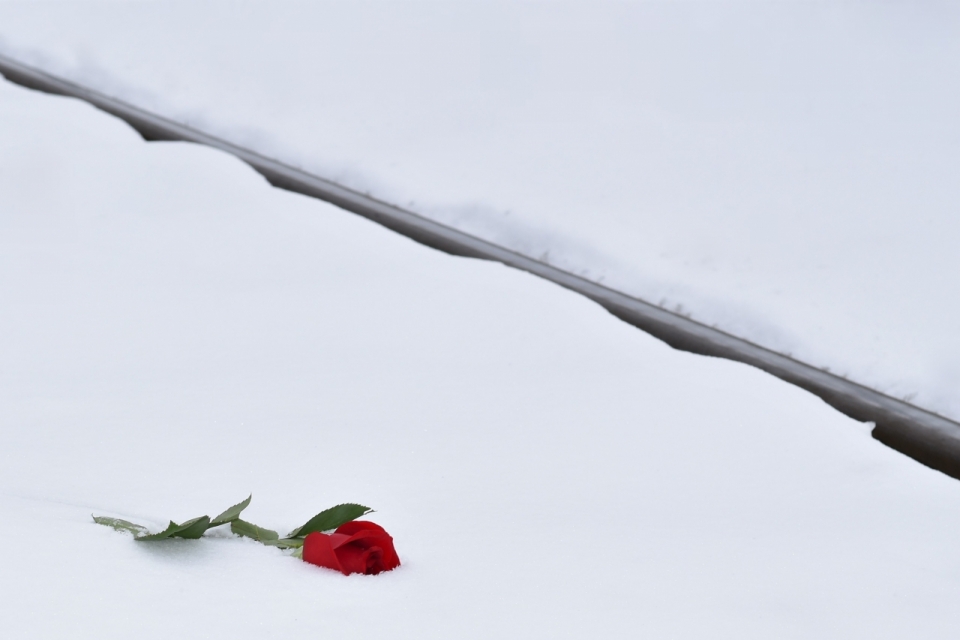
(355, 547)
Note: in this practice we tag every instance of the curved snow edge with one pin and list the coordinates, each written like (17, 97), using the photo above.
(923, 435)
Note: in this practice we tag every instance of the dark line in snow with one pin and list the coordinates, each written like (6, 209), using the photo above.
(921, 434)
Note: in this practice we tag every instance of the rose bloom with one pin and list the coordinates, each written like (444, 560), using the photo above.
(355, 547)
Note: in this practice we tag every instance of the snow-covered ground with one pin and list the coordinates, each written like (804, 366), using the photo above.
(785, 170)
(175, 334)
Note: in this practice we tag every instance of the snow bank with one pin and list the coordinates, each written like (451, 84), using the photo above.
(177, 334)
(782, 170)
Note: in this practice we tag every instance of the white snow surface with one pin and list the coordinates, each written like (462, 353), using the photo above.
(176, 334)
(783, 170)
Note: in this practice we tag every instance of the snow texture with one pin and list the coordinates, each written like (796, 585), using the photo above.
(783, 170)
(177, 334)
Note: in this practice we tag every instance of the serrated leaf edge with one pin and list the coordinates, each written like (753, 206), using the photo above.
(298, 532)
(232, 513)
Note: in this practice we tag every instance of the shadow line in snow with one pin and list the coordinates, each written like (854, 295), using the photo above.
(923, 435)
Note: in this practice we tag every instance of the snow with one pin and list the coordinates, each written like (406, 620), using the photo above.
(177, 334)
(783, 170)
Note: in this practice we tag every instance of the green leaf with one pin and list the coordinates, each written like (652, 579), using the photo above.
(286, 543)
(191, 530)
(331, 519)
(231, 514)
(250, 530)
(166, 533)
(122, 525)
(263, 536)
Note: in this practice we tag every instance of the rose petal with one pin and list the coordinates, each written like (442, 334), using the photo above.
(353, 526)
(338, 539)
(353, 558)
(355, 547)
(318, 550)
(390, 558)
(363, 538)
(373, 561)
